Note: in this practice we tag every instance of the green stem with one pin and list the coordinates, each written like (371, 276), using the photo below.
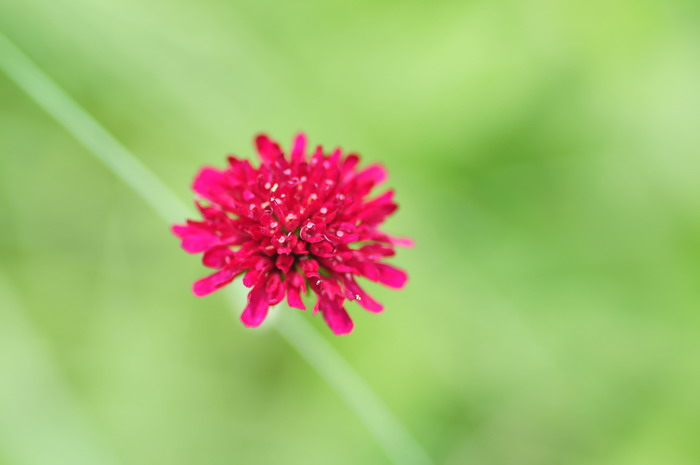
(396, 441)
(99, 142)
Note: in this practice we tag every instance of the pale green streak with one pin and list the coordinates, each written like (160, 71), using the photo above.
(396, 441)
(49, 96)
(41, 422)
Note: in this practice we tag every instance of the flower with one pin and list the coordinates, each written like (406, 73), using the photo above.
(294, 222)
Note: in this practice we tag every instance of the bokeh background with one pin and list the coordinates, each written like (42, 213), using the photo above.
(546, 160)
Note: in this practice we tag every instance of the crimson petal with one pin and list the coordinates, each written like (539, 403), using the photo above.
(392, 277)
(206, 286)
(335, 315)
(258, 305)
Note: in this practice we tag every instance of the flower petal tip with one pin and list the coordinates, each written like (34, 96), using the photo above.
(405, 242)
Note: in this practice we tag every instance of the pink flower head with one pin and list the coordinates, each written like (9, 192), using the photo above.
(294, 223)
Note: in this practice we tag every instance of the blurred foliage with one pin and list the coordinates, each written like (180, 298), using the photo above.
(546, 159)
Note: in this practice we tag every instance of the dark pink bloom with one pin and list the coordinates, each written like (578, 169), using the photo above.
(295, 223)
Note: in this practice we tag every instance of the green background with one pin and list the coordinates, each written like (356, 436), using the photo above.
(546, 159)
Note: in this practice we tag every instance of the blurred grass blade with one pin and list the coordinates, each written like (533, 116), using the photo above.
(396, 441)
(41, 422)
(399, 445)
(45, 92)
